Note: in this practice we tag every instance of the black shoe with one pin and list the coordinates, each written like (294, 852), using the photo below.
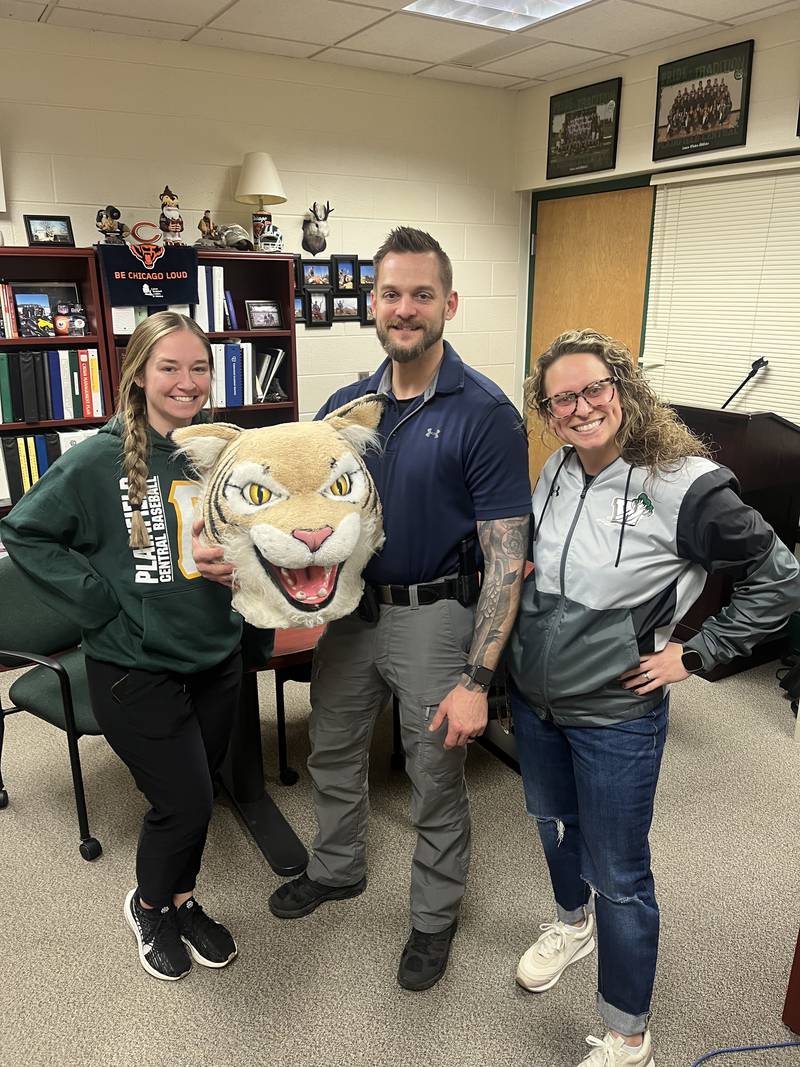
(301, 896)
(161, 951)
(424, 958)
(208, 941)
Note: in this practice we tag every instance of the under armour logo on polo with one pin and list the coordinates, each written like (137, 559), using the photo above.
(430, 432)
(555, 490)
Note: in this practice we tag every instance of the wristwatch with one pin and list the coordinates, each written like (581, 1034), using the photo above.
(482, 676)
(692, 661)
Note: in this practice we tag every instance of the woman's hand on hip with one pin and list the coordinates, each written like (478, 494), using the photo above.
(655, 670)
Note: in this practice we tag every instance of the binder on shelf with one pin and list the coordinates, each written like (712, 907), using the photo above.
(5, 490)
(40, 447)
(5, 390)
(52, 447)
(94, 376)
(230, 311)
(123, 319)
(247, 371)
(15, 379)
(85, 382)
(43, 376)
(218, 290)
(234, 378)
(66, 384)
(54, 373)
(209, 288)
(33, 464)
(27, 378)
(201, 308)
(24, 469)
(75, 383)
(13, 472)
(218, 378)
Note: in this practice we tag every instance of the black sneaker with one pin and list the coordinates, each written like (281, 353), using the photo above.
(424, 958)
(161, 951)
(208, 941)
(302, 895)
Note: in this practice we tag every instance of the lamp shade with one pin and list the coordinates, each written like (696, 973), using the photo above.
(259, 182)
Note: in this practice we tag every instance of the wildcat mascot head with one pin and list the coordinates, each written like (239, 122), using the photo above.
(295, 509)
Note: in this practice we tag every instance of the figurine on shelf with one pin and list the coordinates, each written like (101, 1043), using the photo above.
(209, 231)
(170, 221)
(234, 237)
(108, 223)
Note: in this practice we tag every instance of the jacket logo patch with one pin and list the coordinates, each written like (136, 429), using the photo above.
(639, 508)
(430, 432)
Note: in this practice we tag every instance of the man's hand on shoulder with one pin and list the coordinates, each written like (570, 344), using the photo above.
(466, 711)
(208, 559)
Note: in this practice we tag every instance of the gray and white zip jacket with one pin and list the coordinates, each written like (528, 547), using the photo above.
(618, 563)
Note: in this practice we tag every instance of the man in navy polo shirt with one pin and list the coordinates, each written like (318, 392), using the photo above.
(453, 464)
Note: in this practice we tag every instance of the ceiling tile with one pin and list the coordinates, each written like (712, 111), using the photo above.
(614, 26)
(472, 77)
(16, 9)
(766, 13)
(422, 38)
(721, 10)
(387, 5)
(188, 12)
(251, 42)
(91, 20)
(320, 21)
(693, 37)
(547, 59)
(372, 62)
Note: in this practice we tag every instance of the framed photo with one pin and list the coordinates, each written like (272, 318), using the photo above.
(298, 273)
(367, 316)
(366, 274)
(583, 129)
(48, 309)
(319, 309)
(34, 314)
(299, 308)
(702, 102)
(49, 230)
(316, 274)
(263, 315)
(346, 308)
(344, 270)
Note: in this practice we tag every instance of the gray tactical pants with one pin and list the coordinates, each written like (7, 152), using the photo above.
(417, 654)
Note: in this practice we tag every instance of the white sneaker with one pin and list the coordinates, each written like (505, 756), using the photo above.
(611, 1052)
(547, 959)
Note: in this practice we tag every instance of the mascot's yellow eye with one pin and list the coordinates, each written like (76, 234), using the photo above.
(258, 494)
(342, 485)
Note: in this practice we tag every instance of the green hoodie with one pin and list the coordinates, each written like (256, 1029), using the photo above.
(142, 608)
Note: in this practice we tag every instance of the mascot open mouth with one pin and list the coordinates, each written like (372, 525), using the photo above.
(306, 588)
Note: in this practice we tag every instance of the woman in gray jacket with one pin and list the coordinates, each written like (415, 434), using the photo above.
(629, 518)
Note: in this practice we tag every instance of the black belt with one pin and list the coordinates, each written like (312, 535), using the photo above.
(423, 593)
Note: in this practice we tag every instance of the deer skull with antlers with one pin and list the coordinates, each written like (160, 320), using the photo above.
(315, 227)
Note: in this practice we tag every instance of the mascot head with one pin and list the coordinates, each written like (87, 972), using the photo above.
(295, 509)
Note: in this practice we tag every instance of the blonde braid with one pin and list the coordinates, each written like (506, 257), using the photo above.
(135, 457)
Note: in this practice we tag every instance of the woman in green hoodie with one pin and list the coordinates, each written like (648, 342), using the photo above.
(106, 535)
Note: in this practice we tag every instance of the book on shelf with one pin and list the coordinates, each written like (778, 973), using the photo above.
(230, 312)
(8, 311)
(234, 376)
(56, 392)
(267, 364)
(24, 458)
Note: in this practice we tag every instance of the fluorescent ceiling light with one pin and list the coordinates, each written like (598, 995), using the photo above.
(497, 14)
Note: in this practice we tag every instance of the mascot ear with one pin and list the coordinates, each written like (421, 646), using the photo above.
(358, 421)
(203, 443)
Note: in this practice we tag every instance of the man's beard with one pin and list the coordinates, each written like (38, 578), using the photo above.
(428, 336)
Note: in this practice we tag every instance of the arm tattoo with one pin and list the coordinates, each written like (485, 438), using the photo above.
(503, 543)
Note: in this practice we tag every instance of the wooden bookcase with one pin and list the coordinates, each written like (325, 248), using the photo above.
(248, 276)
(54, 265)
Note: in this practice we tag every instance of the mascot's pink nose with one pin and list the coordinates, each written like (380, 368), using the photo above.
(313, 538)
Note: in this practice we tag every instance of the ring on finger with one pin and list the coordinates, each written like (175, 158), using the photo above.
(647, 677)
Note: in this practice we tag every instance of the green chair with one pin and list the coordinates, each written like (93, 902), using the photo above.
(56, 689)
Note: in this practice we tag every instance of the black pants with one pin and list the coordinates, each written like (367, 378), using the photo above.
(172, 733)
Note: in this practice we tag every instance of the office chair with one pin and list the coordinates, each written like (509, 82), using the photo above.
(55, 689)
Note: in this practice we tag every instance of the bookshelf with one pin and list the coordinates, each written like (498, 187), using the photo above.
(39, 268)
(247, 276)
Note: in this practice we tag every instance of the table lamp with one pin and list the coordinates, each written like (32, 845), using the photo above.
(259, 183)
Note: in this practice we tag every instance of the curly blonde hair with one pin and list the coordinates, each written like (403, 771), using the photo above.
(651, 434)
(131, 409)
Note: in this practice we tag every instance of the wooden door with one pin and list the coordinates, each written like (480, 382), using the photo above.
(590, 271)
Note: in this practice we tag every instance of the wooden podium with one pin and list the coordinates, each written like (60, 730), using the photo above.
(763, 451)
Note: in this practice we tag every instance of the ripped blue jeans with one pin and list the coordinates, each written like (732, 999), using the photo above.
(591, 790)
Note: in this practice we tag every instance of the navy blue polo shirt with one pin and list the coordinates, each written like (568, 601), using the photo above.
(456, 456)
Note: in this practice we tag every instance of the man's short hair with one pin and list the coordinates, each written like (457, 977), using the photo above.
(407, 239)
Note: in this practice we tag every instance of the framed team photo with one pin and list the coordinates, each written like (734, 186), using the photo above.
(702, 102)
(583, 129)
(263, 315)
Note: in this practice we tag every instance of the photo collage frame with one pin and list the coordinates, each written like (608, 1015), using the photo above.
(333, 290)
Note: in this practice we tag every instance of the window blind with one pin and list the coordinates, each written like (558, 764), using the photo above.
(724, 289)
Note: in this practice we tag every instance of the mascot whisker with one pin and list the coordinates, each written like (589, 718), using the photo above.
(295, 508)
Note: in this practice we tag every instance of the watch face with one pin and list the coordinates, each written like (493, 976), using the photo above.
(691, 660)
